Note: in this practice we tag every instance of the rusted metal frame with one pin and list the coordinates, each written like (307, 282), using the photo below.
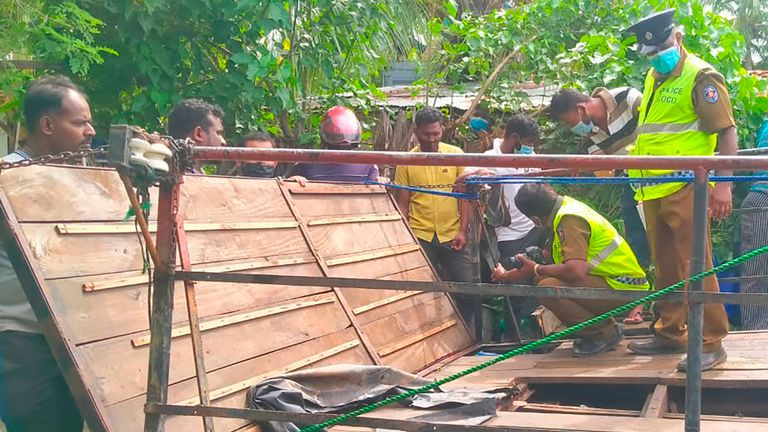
(194, 322)
(470, 288)
(371, 422)
(160, 323)
(31, 278)
(303, 228)
(695, 309)
(583, 162)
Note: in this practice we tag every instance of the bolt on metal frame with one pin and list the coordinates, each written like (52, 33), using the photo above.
(168, 241)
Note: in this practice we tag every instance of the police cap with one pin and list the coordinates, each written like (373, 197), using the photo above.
(653, 30)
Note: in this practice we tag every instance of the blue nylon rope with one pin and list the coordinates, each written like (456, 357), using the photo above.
(606, 180)
(423, 190)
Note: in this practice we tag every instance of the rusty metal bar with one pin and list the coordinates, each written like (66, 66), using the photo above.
(696, 310)
(469, 288)
(582, 162)
(194, 323)
(365, 421)
(162, 304)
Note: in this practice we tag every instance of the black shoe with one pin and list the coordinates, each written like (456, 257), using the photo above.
(708, 360)
(584, 347)
(655, 346)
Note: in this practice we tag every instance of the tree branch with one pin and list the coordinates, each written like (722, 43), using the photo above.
(483, 88)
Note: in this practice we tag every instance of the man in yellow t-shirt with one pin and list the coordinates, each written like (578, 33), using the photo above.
(440, 223)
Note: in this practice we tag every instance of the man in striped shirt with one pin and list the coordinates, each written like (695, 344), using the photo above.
(608, 121)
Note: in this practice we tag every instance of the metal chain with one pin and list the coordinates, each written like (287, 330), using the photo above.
(435, 186)
(58, 157)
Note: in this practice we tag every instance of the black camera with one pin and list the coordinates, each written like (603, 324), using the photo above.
(533, 253)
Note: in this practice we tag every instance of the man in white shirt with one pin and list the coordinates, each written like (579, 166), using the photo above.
(521, 136)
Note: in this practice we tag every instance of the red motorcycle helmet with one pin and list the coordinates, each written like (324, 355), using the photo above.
(340, 127)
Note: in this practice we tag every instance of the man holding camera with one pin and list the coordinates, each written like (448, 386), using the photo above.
(587, 251)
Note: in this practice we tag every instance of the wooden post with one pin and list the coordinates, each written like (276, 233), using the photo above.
(194, 323)
(162, 305)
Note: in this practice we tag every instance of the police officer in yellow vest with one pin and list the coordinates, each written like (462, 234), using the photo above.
(686, 111)
(587, 251)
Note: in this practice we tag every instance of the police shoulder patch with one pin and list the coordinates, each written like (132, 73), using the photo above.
(710, 94)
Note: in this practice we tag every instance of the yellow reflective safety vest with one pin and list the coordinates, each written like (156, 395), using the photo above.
(608, 256)
(669, 126)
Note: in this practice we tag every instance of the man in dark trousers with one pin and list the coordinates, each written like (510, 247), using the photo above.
(686, 111)
(439, 222)
(33, 394)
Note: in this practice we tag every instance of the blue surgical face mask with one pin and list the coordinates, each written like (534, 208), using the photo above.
(582, 128)
(665, 61)
(479, 124)
(524, 150)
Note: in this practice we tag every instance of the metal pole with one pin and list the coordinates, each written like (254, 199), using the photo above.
(581, 162)
(474, 259)
(162, 305)
(696, 309)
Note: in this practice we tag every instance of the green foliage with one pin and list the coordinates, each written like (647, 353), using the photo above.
(54, 34)
(268, 63)
(582, 44)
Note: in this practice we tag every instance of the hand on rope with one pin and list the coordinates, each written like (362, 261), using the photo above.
(538, 343)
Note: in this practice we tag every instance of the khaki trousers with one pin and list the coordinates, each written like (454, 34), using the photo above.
(574, 311)
(669, 223)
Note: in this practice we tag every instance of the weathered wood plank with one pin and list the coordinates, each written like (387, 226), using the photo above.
(184, 330)
(657, 404)
(356, 238)
(128, 227)
(315, 206)
(371, 254)
(390, 331)
(56, 194)
(377, 268)
(594, 423)
(228, 199)
(410, 340)
(120, 369)
(291, 367)
(108, 253)
(98, 315)
(110, 281)
(124, 413)
(354, 219)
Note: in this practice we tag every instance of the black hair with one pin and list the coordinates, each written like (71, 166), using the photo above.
(536, 199)
(188, 114)
(523, 125)
(46, 96)
(257, 136)
(427, 116)
(565, 101)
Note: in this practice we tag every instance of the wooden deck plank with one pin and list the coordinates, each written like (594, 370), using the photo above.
(744, 368)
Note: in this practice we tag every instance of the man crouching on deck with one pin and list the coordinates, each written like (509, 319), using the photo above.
(587, 251)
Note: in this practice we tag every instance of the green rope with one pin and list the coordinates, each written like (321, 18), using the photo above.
(536, 344)
(145, 206)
